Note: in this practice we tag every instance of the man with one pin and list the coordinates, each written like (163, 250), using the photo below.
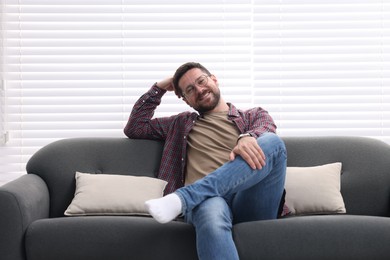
(223, 165)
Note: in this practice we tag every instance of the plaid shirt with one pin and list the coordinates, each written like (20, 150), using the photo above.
(175, 129)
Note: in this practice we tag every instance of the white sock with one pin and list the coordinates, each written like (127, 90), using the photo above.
(164, 209)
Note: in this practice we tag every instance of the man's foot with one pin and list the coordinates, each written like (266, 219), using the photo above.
(164, 209)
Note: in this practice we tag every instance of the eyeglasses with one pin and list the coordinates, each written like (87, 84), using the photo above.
(199, 82)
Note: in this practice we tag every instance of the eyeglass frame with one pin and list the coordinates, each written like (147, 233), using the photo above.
(196, 83)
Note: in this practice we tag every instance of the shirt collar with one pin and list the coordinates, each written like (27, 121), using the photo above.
(233, 111)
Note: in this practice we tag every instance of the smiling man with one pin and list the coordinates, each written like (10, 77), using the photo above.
(223, 165)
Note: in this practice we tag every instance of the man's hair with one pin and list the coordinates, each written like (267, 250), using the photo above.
(182, 70)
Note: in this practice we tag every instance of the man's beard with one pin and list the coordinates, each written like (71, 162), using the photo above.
(216, 96)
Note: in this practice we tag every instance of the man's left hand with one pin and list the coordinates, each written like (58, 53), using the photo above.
(250, 151)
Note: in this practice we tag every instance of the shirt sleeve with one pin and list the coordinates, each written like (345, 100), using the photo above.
(141, 123)
(259, 122)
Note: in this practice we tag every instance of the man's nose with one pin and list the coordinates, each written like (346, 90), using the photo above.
(198, 88)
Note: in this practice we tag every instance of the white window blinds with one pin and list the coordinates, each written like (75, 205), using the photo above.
(75, 68)
(323, 67)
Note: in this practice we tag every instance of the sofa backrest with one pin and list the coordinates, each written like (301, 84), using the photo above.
(365, 180)
(58, 162)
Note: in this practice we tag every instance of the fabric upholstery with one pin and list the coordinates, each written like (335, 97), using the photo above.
(58, 162)
(336, 237)
(21, 202)
(365, 175)
(36, 202)
(112, 194)
(103, 238)
(314, 190)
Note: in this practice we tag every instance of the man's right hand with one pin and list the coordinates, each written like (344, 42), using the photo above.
(250, 151)
(166, 84)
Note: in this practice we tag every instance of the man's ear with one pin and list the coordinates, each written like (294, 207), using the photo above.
(214, 78)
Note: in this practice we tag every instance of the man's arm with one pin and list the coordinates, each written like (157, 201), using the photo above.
(140, 123)
(258, 122)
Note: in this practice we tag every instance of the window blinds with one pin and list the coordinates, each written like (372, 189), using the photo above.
(75, 68)
(323, 67)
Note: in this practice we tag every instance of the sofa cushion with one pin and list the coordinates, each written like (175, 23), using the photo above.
(110, 194)
(335, 237)
(109, 237)
(314, 190)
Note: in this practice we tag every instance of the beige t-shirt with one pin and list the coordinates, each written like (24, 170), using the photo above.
(209, 144)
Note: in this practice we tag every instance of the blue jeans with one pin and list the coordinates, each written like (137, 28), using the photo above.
(232, 194)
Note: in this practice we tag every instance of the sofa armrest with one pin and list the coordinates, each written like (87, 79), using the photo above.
(22, 201)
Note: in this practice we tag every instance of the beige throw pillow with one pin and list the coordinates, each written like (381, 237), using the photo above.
(314, 190)
(109, 194)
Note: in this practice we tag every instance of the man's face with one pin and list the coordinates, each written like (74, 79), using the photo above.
(200, 91)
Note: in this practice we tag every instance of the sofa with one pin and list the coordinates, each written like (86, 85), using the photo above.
(33, 225)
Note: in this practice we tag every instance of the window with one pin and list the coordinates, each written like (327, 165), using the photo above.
(323, 67)
(75, 68)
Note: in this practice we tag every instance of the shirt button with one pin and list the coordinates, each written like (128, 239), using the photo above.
(185, 137)
(156, 92)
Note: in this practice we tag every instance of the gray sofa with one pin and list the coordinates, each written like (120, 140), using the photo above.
(33, 225)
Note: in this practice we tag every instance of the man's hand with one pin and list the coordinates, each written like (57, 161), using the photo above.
(250, 151)
(166, 84)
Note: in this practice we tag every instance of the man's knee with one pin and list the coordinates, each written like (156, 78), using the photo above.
(271, 141)
(213, 210)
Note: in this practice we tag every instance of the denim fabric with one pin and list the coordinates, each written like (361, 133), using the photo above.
(232, 194)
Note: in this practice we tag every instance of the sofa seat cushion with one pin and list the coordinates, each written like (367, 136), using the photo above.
(109, 237)
(315, 237)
